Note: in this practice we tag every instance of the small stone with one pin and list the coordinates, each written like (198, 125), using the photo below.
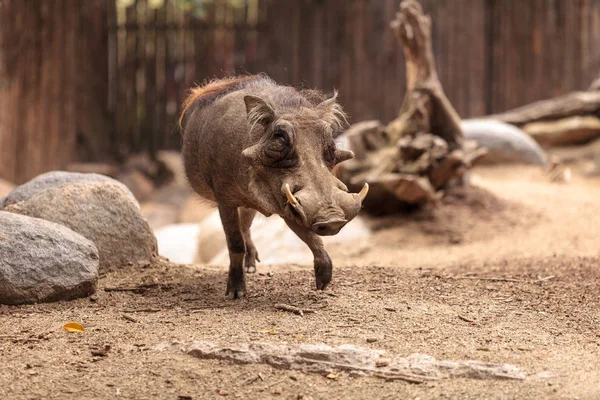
(371, 340)
(382, 363)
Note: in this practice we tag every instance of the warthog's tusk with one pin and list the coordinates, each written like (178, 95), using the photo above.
(364, 191)
(290, 197)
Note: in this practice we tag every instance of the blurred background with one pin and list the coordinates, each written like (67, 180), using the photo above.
(99, 80)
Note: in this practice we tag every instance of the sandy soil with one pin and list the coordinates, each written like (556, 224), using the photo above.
(417, 287)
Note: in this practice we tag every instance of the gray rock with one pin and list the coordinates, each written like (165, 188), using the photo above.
(101, 211)
(42, 261)
(52, 180)
(505, 143)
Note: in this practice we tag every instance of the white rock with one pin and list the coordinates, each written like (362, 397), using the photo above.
(178, 242)
(275, 242)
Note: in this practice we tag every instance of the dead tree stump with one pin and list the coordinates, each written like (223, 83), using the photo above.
(421, 152)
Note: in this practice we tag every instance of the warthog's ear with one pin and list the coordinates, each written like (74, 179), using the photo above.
(258, 111)
(333, 113)
(342, 155)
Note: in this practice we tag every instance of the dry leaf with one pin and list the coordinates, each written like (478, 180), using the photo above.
(73, 327)
(270, 331)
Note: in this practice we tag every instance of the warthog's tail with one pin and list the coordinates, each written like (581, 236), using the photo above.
(211, 91)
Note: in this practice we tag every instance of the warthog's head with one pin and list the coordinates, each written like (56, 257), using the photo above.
(291, 159)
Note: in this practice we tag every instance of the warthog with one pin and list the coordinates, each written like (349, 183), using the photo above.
(251, 145)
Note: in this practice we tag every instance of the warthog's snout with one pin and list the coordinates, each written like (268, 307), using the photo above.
(325, 212)
(328, 228)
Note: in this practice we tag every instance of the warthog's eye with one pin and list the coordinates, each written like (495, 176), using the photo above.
(329, 153)
(279, 150)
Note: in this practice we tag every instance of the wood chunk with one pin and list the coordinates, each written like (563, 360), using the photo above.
(565, 132)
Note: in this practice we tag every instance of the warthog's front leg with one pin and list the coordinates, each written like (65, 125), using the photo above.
(322, 262)
(236, 284)
(246, 218)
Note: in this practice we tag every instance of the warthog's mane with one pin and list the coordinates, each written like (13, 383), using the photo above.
(283, 97)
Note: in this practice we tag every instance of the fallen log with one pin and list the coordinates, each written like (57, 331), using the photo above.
(569, 105)
(564, 132)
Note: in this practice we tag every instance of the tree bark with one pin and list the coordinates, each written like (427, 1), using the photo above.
(53, 74)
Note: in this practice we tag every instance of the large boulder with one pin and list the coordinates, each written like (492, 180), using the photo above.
(102, 211)
(505, 143)
(55, 179)
(43, 261)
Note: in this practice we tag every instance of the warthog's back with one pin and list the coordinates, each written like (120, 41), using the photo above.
(214, 123)
(216, 129)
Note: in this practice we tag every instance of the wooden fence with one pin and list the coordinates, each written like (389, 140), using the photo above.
(492, 55)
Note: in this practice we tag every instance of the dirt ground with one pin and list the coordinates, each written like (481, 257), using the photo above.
(421, 285)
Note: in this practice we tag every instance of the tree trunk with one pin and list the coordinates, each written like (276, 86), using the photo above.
(425, 150)
(426, 107)
(53, 74)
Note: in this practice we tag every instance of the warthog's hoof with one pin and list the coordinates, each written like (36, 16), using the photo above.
(323, 271)
(250, 260)
(233, 295)
(235, 288)
(322, 285)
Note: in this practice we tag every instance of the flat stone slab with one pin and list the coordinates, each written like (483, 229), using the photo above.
(321, 358)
